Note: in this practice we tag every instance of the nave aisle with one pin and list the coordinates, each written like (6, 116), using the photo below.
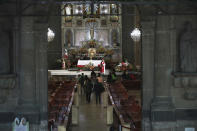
(92, 116)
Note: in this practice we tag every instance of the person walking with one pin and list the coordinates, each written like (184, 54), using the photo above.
(98, 90)
(99, 78)
(88, 90)
(81, 81)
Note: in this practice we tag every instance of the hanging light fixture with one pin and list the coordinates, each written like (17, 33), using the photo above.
(136, 33)
(50, 35)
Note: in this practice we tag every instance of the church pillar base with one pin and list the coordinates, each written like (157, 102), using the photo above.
(162, 109)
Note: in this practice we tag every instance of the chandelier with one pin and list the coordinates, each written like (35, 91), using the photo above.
(50, 35)
(136, 35)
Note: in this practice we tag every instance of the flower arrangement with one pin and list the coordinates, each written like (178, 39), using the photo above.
(89, 66)
(92, 43)
(83, 50)
(91, 20)
(72, 52)
(109, 52)
(101, 50)
(114, 18)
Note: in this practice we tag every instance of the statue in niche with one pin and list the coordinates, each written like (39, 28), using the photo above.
(4, 51)
(115, 38)
(69, 38)
(188, 48)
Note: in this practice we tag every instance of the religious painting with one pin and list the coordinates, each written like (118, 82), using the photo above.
(104, 8)
(188, 48)
(78, 9)
(96, 10)
(68, 11)
(86, 10)
(114, 9)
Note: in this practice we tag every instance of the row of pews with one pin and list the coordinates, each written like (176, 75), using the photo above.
(60, 99)
(132, 84)
(126, 106)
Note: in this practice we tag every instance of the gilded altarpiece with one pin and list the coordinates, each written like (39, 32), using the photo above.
(92, 25)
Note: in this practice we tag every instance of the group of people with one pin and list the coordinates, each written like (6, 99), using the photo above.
(94, 84)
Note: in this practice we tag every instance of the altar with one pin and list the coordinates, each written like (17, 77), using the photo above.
(71, 73)
(91, 46)
(82, 63)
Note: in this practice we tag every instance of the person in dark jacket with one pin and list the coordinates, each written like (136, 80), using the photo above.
(98, 90)
(93, 74)
(81, 81)
(88, 90)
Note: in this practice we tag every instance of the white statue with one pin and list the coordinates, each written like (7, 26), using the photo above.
(18, 125)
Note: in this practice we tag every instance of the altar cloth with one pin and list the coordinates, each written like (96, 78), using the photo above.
(82, 63)
(71, 73)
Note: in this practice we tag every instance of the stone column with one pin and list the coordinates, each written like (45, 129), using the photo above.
(162, 107)
(27, 103)
(148, 40)
(40, 37)
(27, 63)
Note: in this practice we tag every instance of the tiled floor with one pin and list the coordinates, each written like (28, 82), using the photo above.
(92, 117)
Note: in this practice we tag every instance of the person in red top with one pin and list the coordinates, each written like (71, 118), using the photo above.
(102, 66)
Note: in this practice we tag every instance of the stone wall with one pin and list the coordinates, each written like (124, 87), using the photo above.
(55, 47)
(127, 27)
(169, 98)
(23, 90)
(169, 95)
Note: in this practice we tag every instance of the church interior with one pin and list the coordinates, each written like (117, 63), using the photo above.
(98, 65)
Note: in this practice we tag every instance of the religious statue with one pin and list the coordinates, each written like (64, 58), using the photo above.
(22, 125)
(115, 38)
(188, 48)
(69, 38)
(92, 33)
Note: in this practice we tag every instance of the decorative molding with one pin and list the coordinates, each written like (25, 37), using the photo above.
(7, 81)
(162, 109)
(187, 81)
